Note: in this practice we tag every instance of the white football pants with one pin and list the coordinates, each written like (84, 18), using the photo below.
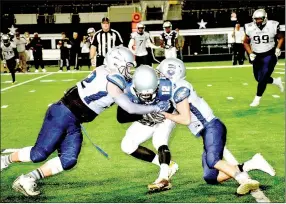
(171, 53)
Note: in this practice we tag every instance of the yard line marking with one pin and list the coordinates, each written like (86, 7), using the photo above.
(280, 68)
(6, 82)
(279, 72)
(276, 96)
(280, 64)
(209, 85)
(68, 79)
(245, 84)
(48, 80)
(230, 98)
(25, 82)
(5, 106)
(32, 91)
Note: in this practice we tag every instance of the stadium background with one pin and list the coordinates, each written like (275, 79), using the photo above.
(122, 178)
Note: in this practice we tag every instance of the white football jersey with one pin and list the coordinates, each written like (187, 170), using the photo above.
(96, 84)
(8, 52)
(140, 43)
(201, 113)
(262, 40)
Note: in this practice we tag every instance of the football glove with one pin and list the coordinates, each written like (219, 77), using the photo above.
(252, 57)
(277, 52)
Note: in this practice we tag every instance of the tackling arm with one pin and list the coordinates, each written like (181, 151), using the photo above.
(183, 116)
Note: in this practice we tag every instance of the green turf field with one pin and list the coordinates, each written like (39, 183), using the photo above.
(124, 179)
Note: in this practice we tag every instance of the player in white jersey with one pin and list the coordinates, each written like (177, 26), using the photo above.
(146, 88)
(140, 40)
(260, 43)
(192, 110)
(61, 129)
(9, 55)
(169, 40)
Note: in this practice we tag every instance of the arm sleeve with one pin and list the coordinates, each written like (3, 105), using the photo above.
(124, 117)
(123, 101)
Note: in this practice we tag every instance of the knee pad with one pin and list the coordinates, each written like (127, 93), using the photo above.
(68, 162)
(24, 154)
(38, 154)
(128, 146)
(211, 179)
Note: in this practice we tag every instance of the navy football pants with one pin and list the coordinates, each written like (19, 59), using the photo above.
(214, 139)
(60, 130)
(262, 70)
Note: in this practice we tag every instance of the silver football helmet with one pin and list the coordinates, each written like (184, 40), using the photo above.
(140, 25)
(120, 59)
(167, 24)
(173, 69)
(90, 31)
(146, 83)
(259, 14)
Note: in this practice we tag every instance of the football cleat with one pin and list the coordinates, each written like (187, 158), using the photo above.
(44, 70)
(247, 186)
(26, 185)
(280, 85)
(60, 70)
(4, 165)
(36, 71)
(259, 163)
(159, 185)
(254, 103)
(173, 168)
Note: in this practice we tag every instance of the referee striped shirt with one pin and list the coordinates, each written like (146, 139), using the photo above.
(104, 41)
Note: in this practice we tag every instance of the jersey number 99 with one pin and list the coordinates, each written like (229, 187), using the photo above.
(261, 39)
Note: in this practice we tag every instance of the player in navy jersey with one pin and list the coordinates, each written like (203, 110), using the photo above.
(169, 40)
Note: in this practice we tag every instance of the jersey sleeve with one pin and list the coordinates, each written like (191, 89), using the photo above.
(132, 36)
(181, 93)
(117, 80)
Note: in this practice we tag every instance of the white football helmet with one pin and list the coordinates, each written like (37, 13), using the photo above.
(6, 40)
(167, 24)
(140, 25)
(90, 31)
(173, 69)
(120, 59)
(260, 13)
(146, 83)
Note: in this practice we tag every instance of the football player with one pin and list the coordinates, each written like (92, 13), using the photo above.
(147, 89)
(140, 40)
(169, 41)
(194, 112)
(61, 129)
(260, 44)
(9, 55)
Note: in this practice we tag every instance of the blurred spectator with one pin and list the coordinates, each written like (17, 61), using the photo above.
(28, 57)
(36, 46)
(181, 42)
(238, 48)
(64, 46)
(20, 43)
(85, 52)
(75, 50)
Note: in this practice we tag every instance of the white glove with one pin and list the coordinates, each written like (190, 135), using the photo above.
(277, 52)
(4, 63)
(17, 61)
(252, 57)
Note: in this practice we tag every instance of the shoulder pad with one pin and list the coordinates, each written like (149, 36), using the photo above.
(133, 35)
(181, 94)
(117, 80)
(165, 89)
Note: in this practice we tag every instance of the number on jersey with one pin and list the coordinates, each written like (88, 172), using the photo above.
(261, 39)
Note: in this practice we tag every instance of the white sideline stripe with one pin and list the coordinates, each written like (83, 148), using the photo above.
(230, 98)
(32, 91)
(279, 72)
(245, 84)
(209, 85)
(276, 96)
(5, 106)
(25, 82)
(49, 80)
(280, 68)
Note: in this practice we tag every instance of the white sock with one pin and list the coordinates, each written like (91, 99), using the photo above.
(8, 159)
(55, 165)
(36, 174)
(164, 171)
(156, 160)
(241, 177)
(257, 98)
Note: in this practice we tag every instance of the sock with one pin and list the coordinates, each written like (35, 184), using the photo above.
(8, 159)
(275, 81)
(241, 177)
(36, 174)
(156, 160)
(164, 171)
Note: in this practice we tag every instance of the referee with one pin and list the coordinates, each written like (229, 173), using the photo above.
(104, 40)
